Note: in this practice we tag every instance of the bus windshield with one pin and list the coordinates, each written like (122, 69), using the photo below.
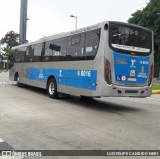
(130, 38)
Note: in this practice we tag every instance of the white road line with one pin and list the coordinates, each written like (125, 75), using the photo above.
(152, 98)
(7, 83)
(1, 140)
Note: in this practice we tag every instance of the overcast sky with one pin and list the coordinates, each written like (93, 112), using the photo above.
(48, 17)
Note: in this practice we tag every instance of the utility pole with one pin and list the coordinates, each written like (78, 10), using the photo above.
(23, 22)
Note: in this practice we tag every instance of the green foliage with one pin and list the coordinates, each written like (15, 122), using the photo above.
(11, 39)
(7, 50)
(3, 70)
(149, 18)
(156, 87)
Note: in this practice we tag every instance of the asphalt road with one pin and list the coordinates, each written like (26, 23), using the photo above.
(30, 120)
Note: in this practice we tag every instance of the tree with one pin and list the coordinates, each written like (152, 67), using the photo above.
(11, 39)
(7, 50)
(149, 18)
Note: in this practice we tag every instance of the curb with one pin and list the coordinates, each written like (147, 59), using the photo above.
(155, 91)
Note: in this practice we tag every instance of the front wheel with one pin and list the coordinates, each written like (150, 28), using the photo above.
(52, 88)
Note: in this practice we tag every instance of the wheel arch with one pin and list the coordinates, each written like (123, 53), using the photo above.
(15, 76)
(52, 84)
(51, 76)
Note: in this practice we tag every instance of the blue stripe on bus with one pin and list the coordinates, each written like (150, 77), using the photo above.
(85, 79)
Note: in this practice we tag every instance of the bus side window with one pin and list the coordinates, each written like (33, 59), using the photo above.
(59, 48)
(29, 53)
(26, 59)
(12, 57)
(17, 55)
(48, 56)
(76, 45)
(22, 52)
(37, 52)
(92, 43)
(43, 50)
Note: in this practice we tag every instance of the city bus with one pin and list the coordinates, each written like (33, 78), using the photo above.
(108, 59)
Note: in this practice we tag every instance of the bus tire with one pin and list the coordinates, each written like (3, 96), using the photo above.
(52, 88)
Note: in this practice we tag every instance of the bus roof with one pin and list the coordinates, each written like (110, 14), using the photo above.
(81, 30)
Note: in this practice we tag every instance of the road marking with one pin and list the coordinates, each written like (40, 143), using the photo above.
(8, 83)
(152, 98)
(1, 140)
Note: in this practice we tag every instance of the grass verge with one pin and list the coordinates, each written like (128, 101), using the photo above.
(156, 87)
(3, 70)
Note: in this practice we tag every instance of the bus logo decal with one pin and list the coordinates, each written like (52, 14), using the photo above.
(132, 73)
(40, 75)
(123, 78)
(121, 61)
(118, 77)
(133, 61)
(60, 73)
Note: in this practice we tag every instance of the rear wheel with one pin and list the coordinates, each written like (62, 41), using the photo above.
(52, 88)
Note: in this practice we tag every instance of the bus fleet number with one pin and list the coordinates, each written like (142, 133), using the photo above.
(84, 73)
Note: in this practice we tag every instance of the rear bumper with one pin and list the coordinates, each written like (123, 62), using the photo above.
(120, 91)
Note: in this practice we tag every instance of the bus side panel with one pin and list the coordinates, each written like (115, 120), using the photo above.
(80, 81)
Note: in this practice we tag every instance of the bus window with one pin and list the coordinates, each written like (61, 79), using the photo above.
(128, 38)
(60, 47)
(37, 52)
(76, 45)
(43, 49)
(17, 55)
(48, 56)
(92, 43)
(29, 53)
(22, 52)
(12, 59)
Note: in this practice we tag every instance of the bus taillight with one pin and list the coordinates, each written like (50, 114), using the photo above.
(151, 74)
(108, 72)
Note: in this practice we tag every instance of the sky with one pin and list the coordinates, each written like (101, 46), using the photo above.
(49, 17)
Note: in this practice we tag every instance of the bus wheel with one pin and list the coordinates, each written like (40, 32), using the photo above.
(52, 88)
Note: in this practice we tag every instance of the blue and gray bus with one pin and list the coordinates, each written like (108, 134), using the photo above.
(108, 59)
